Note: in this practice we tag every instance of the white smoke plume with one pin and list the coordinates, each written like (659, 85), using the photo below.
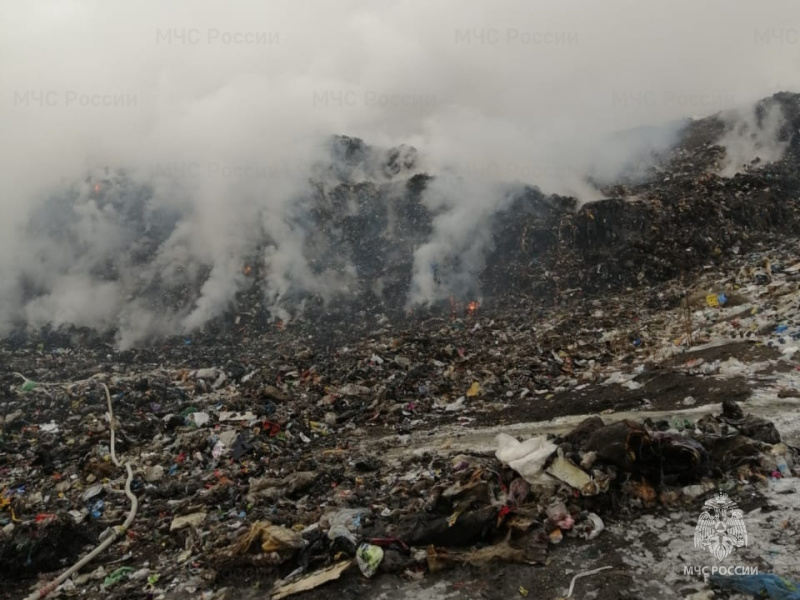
(750, 137)
(222, 111)
(450, 262)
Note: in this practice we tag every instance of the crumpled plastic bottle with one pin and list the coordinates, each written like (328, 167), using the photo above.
(369, 558)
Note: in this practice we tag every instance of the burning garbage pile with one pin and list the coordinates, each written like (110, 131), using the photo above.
(605, 364)
(373, 236)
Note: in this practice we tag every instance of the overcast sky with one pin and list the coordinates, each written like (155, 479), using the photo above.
(450, 75)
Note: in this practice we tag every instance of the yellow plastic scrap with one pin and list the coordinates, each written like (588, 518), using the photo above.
(271, 538)
(474, 390)
(451, 520)
(712, 300)
(523, 591)
(318, 427)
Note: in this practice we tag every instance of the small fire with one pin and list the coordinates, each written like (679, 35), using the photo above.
(247, 269)
(473, 307)
(96, 188)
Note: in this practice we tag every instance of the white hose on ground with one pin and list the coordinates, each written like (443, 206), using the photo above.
(584, 574)
(118, 531)
(57, 384)
(111, 426)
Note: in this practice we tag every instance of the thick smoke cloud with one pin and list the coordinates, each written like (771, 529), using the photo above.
(752, 135)
(450, 262)
(222, 111)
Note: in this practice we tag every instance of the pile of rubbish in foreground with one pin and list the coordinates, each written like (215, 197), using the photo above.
(225, 493)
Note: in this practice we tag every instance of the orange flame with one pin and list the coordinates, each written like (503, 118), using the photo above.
(472, 307)
(96, 188)
(247, 270)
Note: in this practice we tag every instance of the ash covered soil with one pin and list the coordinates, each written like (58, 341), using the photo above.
(645, 345)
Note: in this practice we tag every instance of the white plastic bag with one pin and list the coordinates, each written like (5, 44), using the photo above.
(526, 458)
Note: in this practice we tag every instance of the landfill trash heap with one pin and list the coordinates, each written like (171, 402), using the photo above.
(367, 211)
(228, 492)
(359, 443)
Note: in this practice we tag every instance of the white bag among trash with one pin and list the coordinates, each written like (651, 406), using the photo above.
(526, 458)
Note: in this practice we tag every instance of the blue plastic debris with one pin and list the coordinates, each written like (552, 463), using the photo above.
(97, 509)
(781, 328)
(764, 585)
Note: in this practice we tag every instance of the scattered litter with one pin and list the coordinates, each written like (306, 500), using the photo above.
(311, 581)
(369, 559)
(192, 520)
(766, 585)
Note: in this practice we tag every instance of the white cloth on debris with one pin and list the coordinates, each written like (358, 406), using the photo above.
(526, 458)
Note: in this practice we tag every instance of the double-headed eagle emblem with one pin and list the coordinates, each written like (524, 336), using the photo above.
(720, 528)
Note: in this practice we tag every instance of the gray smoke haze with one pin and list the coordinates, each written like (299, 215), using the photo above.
(749, 136)
(222, 110)
(450, 262)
